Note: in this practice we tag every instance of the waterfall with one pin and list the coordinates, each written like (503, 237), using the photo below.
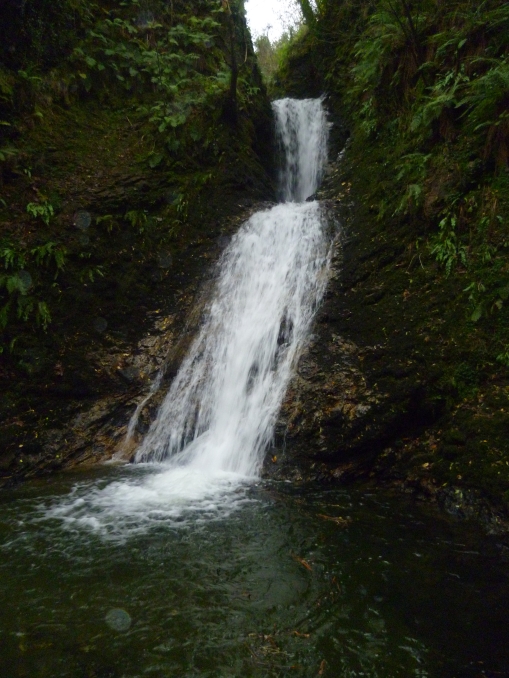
(302, 135)
(221, 408)
(220, 411)
(217, 419)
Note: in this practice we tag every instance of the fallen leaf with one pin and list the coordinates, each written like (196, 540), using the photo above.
(322, 667)
(301, 635)
(302, 562)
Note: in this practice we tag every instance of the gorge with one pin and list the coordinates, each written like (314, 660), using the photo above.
(250, 425)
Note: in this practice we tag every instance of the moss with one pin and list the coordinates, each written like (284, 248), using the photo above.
(441, 394)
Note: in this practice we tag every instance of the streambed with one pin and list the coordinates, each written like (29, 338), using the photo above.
(267, 579)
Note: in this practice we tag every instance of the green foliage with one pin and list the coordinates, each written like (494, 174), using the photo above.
(8, 153)
(272, 55)
(6, 86)
(43, 210)
(109, 221)
(402, 61)
(91, 273)
(503, 357)
(487, 296)
(49, 254)
(18, 286)
(412, 170)
(164, 67)
(181, 65)
(423, 86)
(440, 97)
(178, 65)
(137, 219)
(308, 12)
(446, 246)
(375, 51)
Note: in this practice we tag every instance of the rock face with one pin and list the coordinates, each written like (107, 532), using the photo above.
(361, 383)
(371, 398)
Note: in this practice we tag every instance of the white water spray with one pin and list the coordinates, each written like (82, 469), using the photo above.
(218, 417)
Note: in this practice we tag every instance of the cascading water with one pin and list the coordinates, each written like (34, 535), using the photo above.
(302, 134)
(221, 408)
(217, 419)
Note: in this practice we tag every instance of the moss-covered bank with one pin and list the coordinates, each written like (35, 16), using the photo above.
(134, 136)
(407, 379)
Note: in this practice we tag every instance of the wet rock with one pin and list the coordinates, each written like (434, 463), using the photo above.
(164, 260)
(223, 242)
(130, 374)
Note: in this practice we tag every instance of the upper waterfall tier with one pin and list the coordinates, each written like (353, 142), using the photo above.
(302, 132)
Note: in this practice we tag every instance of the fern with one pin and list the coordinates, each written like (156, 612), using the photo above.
(19, 288)
(446, 247)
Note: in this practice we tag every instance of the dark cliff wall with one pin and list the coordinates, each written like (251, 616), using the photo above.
(407, 377)
(134, 136)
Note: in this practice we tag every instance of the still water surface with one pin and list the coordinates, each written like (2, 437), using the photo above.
(261, 584)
